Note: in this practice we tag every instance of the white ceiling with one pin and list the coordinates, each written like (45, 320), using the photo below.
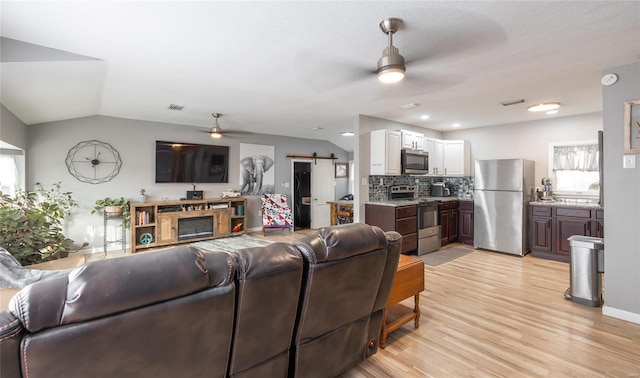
(287, 67)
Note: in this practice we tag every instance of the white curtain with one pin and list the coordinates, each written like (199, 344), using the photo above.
(576, 158)
(9, 175)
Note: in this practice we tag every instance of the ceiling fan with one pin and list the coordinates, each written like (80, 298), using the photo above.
(422, 78)
(216, 131)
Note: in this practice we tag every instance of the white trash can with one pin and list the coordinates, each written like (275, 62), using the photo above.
(586, 266)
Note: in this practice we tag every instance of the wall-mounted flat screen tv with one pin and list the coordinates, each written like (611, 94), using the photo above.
(191, 163)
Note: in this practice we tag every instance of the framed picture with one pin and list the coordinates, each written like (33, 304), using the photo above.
(257, 169)
(342, 170)
(632, 127)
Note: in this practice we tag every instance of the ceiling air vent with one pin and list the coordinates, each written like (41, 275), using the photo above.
(176, 107)
(507, 103)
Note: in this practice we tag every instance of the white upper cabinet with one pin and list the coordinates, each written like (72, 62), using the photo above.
(385, 152)
(448, 157)
(457, 158)
(412, 140)
(435, 149)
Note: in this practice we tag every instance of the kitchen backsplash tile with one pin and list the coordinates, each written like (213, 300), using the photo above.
(459, 186)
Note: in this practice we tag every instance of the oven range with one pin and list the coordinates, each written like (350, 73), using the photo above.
(428, 217)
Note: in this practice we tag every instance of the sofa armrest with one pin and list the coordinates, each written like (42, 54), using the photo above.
(10, 336)
(394, 240)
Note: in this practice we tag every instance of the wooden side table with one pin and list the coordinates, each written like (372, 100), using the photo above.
(409, 281)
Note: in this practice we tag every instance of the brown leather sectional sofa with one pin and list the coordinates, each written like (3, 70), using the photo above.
(309, 309)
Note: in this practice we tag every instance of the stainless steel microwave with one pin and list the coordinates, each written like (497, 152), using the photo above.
(414, 162)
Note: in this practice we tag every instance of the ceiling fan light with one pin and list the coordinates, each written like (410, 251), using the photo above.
(545, 106)
(391, 67)
(391, 75)
(216, 132)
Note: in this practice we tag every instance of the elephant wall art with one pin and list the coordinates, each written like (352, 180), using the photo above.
(255, 173)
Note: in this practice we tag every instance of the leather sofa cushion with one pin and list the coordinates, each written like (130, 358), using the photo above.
(340, 242)
(269, 281)
(110, 286)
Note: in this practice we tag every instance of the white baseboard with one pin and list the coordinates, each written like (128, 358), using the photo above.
(621, 314)
(255, 229)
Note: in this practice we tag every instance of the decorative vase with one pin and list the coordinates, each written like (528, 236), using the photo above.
(142, 198)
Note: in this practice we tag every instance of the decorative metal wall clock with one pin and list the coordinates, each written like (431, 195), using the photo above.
(93, 161)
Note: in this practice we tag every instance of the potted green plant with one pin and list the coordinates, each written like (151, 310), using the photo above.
(114, 207)
(31, 224)
(143, 196)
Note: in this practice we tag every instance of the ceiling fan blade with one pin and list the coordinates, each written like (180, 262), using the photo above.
(237, 132)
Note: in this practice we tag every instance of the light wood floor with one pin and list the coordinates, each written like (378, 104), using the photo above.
(494, 315)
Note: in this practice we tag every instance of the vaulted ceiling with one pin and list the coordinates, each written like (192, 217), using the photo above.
(306, 69)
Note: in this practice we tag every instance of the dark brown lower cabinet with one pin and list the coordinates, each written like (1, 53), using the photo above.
(449, 218)
(552, 226)
(569, 222)
(599, 223)
(403, 219)
(465, 225)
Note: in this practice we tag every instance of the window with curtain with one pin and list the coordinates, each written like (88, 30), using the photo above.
(575, 169)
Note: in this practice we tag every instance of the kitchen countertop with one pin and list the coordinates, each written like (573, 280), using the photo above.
(573, 205)
(409, 202)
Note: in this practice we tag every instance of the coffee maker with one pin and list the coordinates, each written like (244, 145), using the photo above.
(440, 189)
(546, 194)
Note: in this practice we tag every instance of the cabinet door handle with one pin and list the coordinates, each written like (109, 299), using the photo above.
(549, 223)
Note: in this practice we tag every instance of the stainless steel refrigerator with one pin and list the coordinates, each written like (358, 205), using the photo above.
(502, 191)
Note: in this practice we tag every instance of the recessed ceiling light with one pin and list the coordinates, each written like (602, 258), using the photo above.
(555, 111)
(456, 125)
(545, 106)
(347, 133)
(424, 116)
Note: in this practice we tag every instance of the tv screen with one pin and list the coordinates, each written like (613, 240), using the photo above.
(191, 163)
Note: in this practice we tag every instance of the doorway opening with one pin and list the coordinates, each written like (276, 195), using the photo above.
(302, 195)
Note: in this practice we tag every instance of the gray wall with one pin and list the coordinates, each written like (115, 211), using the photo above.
(48, 144)
(12, 130)
(622, 203)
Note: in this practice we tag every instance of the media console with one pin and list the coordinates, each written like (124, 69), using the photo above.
(159, 224)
